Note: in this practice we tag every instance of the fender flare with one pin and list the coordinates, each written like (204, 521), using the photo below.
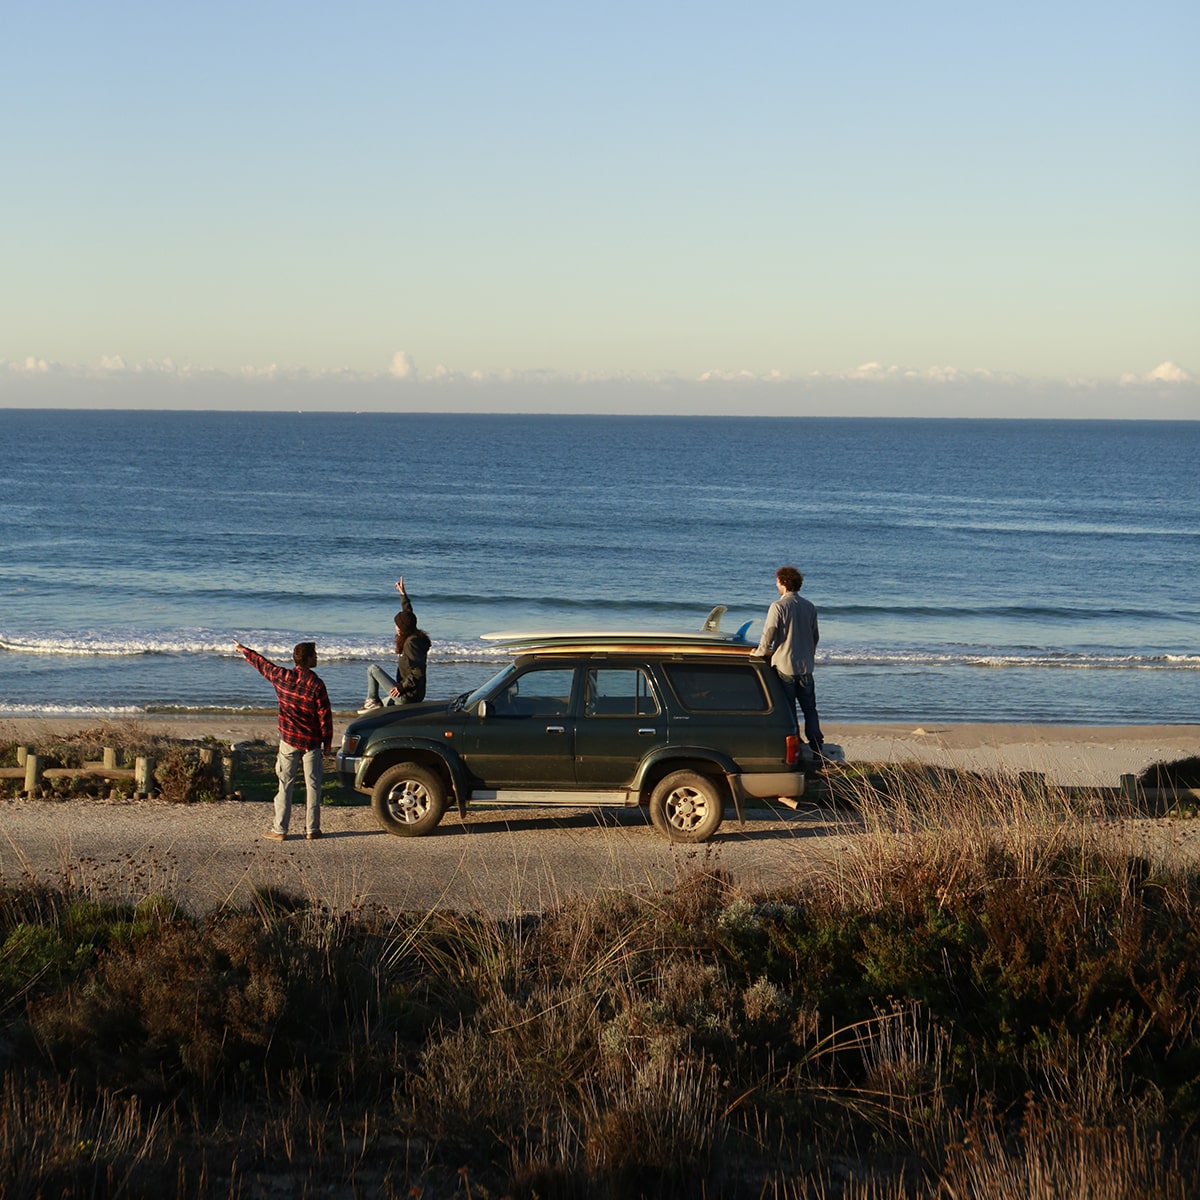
(369, 768)
(687, 756)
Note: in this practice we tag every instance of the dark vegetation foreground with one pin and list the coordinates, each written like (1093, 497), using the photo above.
(990, 995)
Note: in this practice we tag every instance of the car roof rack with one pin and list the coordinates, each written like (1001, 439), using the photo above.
(616, 643)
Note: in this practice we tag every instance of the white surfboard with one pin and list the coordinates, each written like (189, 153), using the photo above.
(709, 634)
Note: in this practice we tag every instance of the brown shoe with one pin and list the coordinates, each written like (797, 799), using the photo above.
(312, 837)
(272, 836)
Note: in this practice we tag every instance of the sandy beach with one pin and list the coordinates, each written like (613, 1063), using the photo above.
(1068, 755)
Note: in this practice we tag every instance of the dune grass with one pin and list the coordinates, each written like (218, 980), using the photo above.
(986, 993)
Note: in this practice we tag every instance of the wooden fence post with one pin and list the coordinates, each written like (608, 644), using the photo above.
(33, 770)
(110, 756)
(229, 771)
(143, 776)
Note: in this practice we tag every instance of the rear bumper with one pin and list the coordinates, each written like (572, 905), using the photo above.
(768, 786)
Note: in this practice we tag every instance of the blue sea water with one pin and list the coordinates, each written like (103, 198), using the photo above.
(964, 570)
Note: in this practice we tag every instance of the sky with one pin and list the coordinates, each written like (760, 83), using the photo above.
(863, 208)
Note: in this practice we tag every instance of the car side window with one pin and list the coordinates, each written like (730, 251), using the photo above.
(615, 692)
(536, 693)
(717, 688)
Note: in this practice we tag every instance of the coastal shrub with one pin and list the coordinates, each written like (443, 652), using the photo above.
(129, 738)
(184, 778)
(1168, 787)
(1181, 773)
(191, 1002)
(49, 939)
(74, 749)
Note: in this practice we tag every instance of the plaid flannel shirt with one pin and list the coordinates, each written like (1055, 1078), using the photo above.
(305, 716)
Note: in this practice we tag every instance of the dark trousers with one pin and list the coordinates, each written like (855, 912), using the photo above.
(801, 691)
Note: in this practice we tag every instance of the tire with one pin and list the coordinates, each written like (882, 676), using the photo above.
(687, 807)
(409, 800)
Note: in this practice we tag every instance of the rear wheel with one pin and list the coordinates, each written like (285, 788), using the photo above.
(409, 800)
(687, 807)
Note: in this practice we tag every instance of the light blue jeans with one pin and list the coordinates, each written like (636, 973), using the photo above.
(378, 679)
(286, 764)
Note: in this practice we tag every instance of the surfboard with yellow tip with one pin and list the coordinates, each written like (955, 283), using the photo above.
(708, 637)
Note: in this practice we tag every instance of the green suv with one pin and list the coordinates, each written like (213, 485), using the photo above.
(680, 730)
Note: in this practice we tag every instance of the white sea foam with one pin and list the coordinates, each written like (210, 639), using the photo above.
(69, 710)
(335, 648)
(273, 644)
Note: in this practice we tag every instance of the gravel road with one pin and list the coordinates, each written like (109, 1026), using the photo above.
(499, 862)
(496, 862)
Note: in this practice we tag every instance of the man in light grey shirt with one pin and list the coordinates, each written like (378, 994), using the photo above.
(790, 636)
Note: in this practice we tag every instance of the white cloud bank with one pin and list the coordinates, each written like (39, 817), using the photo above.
(1165, 372)
(871, 371)
(1167, 391)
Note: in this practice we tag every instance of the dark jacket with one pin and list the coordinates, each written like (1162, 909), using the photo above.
(410, 665)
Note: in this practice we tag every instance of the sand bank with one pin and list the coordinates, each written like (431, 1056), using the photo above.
(1069, 755)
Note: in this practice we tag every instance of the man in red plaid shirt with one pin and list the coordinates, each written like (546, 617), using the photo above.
(305, 732)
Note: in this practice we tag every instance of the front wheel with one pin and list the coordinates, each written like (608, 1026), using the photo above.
(687, 807)
(409, 800)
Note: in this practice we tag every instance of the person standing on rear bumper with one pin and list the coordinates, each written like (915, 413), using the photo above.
(789, 638)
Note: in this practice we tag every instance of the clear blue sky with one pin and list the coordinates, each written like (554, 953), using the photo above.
(778, 206)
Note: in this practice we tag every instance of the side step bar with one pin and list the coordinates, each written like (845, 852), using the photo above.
(527, 796)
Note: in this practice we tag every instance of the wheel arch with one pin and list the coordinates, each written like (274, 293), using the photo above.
(710, 763)
(430, 755)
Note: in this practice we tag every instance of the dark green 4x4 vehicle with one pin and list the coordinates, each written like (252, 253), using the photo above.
(680, 730)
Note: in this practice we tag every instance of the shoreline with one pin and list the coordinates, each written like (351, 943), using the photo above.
(1068, 755)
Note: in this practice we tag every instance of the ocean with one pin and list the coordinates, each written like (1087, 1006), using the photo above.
(964, 570)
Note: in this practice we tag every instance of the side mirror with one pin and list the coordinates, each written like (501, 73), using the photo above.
(484, 710)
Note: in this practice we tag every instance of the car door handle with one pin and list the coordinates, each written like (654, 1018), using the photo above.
(651, 732)
(556, 729)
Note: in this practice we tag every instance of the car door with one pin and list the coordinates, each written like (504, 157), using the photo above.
(620, 721)
(527, 737)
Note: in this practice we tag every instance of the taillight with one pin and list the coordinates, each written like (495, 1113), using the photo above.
(793, 749)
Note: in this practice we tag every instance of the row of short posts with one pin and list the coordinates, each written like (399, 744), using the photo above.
(1033, 784)
(142, 772)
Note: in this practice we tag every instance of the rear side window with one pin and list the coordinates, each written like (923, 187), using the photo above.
(717, 688)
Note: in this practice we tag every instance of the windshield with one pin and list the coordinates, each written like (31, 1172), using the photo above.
(484, 689)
